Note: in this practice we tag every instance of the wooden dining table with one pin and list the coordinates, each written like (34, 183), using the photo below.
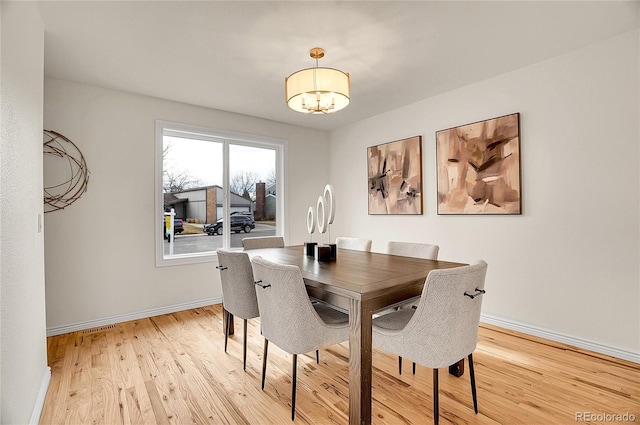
(360, 283)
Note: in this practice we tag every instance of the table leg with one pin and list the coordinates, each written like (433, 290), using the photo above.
(224, 320)
(360, 362)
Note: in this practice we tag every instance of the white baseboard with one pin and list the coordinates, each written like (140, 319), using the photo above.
(63, 329)
(42, 394)
(560, 337)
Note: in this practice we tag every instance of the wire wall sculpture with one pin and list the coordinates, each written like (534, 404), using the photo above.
(60, 195)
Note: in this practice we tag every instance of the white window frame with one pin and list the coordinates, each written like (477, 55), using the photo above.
(226, 138)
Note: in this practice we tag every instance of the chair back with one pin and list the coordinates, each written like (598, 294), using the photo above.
(287, 317)
(357, 244)
(416, 250)
(263, 242)
(444, 328)
(238, 289)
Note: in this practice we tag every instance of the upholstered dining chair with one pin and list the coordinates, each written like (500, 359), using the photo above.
(288, 318)
(416, 250)
(263, 242)
(238, 291)
(443, 328)
(357, 244)
(413, 249)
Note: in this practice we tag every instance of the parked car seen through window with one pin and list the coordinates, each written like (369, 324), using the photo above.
(239, 223)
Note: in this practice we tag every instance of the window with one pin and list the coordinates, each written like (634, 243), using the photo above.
(214, 188)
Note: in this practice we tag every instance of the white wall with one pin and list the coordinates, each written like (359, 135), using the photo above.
(569, 263)
(100, 253)
(25, 375)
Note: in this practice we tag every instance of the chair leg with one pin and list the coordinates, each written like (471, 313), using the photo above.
(399, 365)
(226, 331)
(317, 356)
(436, 405)
(264, 361)
(293, 386)
(414, 368)
(472, 374)
(244, 352)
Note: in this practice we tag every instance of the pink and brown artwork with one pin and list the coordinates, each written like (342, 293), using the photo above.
(479, 167)
(395, 177)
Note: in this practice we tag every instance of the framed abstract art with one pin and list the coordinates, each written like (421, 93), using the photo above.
(479, 167)
(395, 177)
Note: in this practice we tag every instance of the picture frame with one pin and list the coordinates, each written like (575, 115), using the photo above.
(478, 167)
(394, 172)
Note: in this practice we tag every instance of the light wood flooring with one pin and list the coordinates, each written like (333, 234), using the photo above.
(172, 369)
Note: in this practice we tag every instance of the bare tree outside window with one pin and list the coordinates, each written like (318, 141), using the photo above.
(244, 184)
(179, 181)
(271, 177)
(175, 180)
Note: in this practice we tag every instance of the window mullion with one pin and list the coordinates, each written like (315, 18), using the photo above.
(226, 206)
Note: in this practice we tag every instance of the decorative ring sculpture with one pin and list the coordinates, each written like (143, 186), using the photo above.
(311, 221)
(331, 203)
(62, 194)
(321, 210)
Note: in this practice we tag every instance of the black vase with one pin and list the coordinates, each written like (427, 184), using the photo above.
(310, 249)
(323, 253)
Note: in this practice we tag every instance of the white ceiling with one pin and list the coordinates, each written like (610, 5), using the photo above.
(234, 55)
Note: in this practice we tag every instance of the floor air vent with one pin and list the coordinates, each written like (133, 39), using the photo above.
(98, 329)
